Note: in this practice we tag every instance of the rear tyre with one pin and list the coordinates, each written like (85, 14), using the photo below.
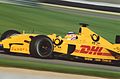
(41, 46)
(8, 34)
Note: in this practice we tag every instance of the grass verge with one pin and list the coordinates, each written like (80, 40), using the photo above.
(46, 21)
(60, 68)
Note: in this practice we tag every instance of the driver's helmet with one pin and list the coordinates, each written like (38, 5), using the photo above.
(71, 36)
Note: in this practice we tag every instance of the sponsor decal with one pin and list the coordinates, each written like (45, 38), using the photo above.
(19, 49)
(95, 38)
(57, 41)
(92, 50)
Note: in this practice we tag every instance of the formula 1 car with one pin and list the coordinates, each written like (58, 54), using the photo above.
(85, 45)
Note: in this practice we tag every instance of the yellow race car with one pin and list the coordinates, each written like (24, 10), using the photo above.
(86, 45)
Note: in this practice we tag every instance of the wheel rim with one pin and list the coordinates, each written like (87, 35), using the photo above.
(44, 47)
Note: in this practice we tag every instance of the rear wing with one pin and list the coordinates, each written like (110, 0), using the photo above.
(117, 40)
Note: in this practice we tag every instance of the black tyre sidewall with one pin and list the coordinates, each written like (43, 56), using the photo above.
(8, 34)
(34, 46)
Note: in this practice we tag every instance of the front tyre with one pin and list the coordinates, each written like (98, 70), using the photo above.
(41, 46)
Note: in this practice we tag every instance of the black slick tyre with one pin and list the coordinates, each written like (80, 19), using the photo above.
(41, 46)
(8, 34)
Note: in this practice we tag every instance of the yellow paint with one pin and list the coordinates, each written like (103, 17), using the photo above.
(88, 45)
(84, 38)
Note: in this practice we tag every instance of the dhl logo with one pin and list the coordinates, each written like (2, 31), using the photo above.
(92, 50)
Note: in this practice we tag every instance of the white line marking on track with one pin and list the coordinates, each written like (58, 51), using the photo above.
(68, 7)
(94, 3)
(82, 9)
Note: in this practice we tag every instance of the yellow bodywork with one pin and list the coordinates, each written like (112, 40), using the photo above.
(87, 44)
(17, 43)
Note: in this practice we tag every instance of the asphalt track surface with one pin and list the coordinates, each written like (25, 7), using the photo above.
(60, 62)
(106, 1)
(88, 5)
(69, 63)
(95, 3)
